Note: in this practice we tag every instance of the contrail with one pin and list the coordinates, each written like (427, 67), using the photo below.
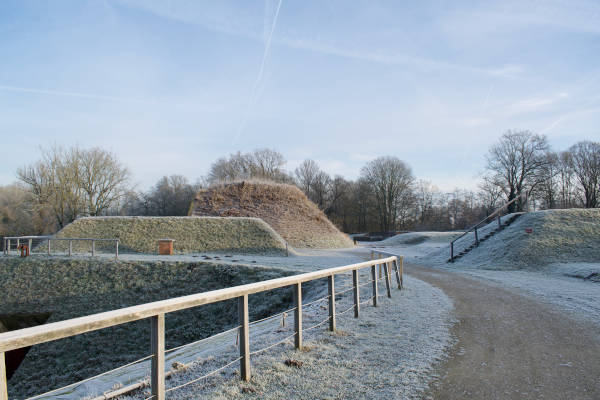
(259, 77)
(92, 96)
(69, 94)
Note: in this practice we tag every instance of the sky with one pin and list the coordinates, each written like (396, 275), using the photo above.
(170, 86)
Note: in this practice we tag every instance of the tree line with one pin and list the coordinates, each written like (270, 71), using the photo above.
(69, 183)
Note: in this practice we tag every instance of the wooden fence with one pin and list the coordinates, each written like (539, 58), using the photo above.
(156, 311)
(29, 240)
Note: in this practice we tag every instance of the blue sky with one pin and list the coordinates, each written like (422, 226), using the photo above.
(172, 85)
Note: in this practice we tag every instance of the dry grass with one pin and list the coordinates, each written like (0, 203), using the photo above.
(191, 234)
(284, 207)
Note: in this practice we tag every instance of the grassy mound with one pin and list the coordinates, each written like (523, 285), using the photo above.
(191, 234)
(69, 288)
(298, 220)
(559, 236)
(414, 238)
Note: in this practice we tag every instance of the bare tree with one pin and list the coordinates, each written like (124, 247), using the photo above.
(171, 196)
(102, 178)
(260, 164)
(585, 161)
(16, 216)
(306, 174)
(320, 189)
(566, 180)
(515, 163)
(391, 181)
(74, 181)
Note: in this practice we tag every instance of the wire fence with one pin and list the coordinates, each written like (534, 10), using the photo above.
(223, 343)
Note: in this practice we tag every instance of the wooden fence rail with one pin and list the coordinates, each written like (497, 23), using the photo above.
(7, 242)
(156, 311)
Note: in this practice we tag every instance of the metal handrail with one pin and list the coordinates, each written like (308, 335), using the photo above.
(6, 243)
(477, 225)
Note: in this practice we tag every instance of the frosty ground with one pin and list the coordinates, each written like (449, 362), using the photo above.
(389, 352)
(553, 274)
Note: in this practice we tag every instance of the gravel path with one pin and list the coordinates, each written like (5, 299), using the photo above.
(512, 346)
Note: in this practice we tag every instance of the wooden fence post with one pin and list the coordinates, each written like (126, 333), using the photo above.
(451, 251)
(157, 376)
(6, 246)
(380, 266)
(70, 248)
(398, 279)
(48, 246)
(29, 243)
(3, 381)
(93, 248)
(244, 335)
(356, 292)
(388, 285)
(117, 250)
(331, 287)
(374, 277)
(476, 237)
(298, 315)
(401, 272)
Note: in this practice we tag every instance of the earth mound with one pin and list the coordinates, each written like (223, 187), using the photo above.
(284, 207)
(191, 234)
(413, 238)
(538, 239)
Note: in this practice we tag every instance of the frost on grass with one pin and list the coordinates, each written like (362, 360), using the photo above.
(387, 353)
(558, 263)
(191, 234)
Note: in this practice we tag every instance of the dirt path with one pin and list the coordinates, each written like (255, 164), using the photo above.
(512, 347)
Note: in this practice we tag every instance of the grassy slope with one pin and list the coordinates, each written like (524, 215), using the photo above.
(191, 234)
(298, 220)
(558, 236)
(69, 288)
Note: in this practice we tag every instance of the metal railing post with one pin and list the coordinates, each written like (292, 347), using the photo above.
(298, 315)
(48, 246)
(157, 376)
(93, 248)
(331, 290)
(70, 248)
(388, 286)
(3, 381)
(116, 250)
(374, 277)
(244, 337)
(356, 292)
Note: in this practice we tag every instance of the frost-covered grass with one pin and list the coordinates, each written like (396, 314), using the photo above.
(191, 234)
(68, 288)
(387, 353)
(559, 236)
(414, 238)
(559, 263)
